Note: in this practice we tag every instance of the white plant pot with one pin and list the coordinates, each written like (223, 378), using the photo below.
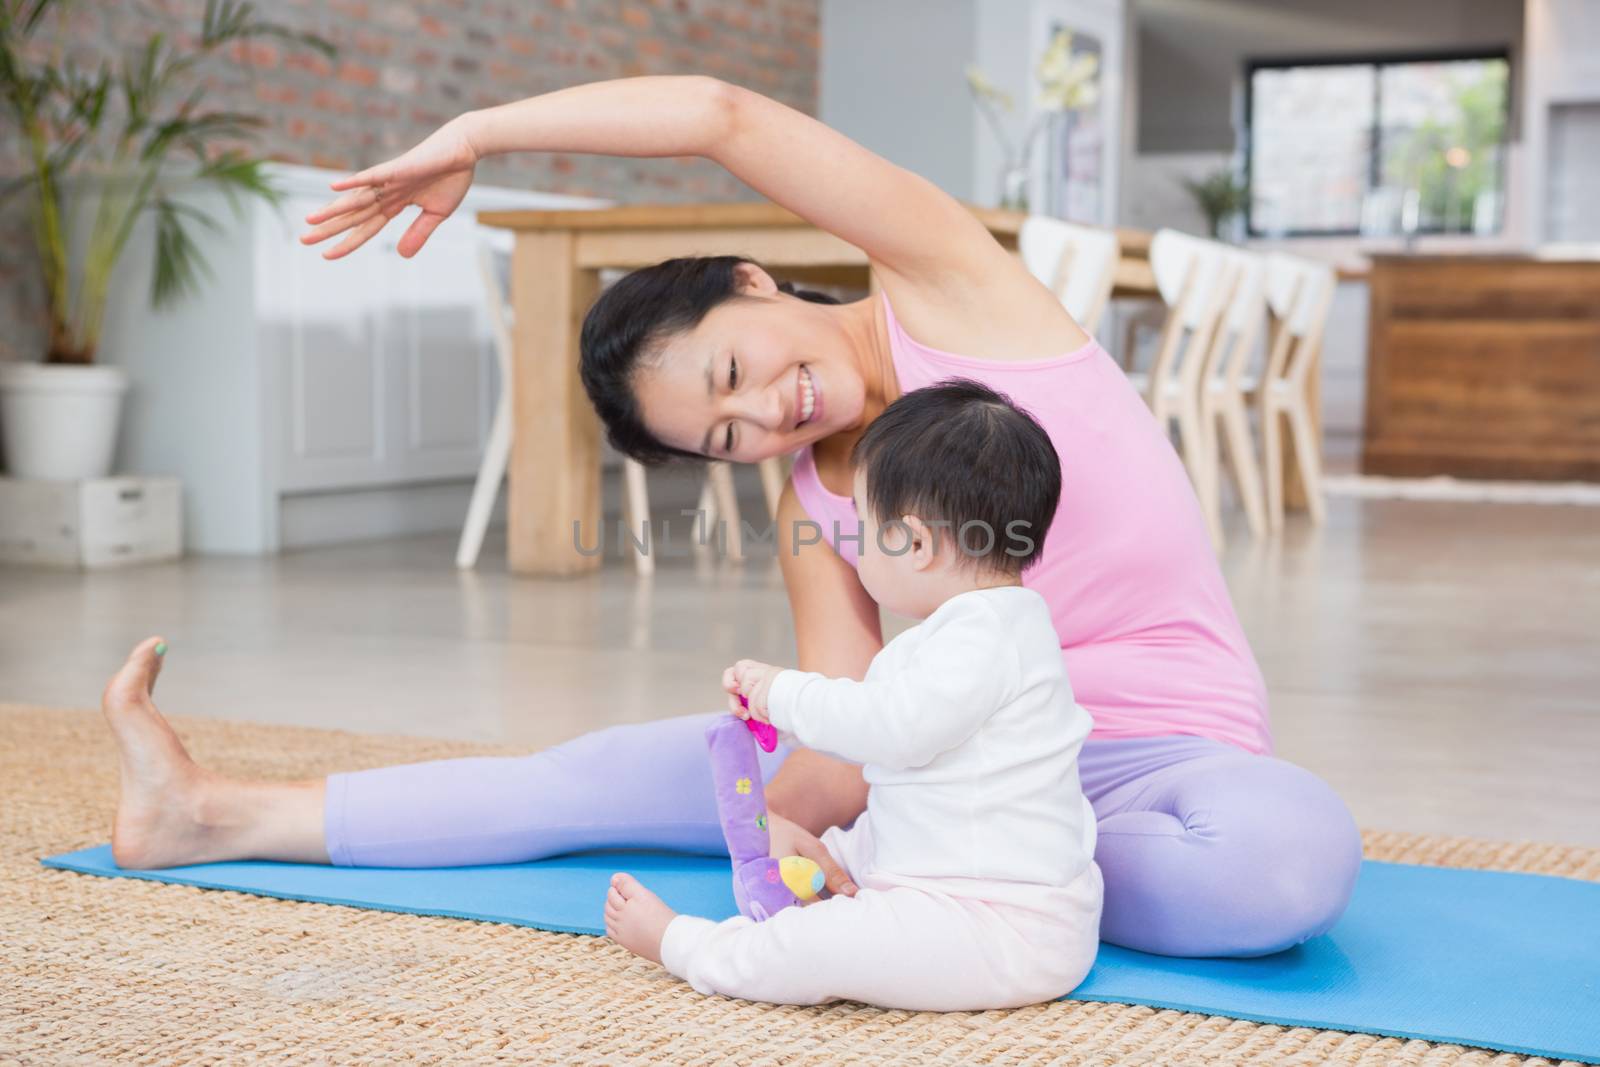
(59, 423)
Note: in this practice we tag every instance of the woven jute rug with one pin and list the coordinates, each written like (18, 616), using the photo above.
(95, 970)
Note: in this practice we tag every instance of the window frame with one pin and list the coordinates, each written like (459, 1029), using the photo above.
(1376, 60)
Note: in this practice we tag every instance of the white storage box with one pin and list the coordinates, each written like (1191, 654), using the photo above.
(99, 522)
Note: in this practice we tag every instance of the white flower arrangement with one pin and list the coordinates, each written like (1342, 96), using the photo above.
(1066, 83)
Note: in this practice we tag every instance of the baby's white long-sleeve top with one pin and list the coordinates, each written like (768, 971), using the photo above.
(969, 736)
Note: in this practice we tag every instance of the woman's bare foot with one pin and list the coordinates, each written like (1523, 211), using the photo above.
(636, 918)
(157, 823)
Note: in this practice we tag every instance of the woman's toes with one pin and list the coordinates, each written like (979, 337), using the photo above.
(158, 657)
(135, 680)
(123, 689)
(627, 886)
(147, 743)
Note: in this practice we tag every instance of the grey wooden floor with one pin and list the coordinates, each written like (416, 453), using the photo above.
(1437, 663)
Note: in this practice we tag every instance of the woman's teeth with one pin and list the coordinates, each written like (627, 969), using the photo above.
(808, 397)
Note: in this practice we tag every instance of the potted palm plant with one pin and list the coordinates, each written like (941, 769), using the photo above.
(103, 149)
(1221, 196)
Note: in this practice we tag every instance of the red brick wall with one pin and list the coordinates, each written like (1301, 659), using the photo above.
(405, 66)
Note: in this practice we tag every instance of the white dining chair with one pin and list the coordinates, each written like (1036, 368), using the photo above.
(1224, 405)
(1299, 293)
(1077, 263)
(1194, 280)
(494, 270)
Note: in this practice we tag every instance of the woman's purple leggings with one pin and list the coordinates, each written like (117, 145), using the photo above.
(1206, 850)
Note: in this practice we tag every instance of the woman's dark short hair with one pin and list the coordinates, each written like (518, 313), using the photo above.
(960, 453)
(631, 321)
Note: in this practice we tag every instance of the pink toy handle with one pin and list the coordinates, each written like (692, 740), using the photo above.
(766, 733)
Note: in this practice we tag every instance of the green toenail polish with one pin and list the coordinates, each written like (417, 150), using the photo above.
(161, 648)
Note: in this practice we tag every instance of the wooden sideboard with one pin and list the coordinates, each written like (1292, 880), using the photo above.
(1483, 366)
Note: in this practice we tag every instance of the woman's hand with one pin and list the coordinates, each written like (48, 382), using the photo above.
(434, 176)
(752, 680)
(791, 840)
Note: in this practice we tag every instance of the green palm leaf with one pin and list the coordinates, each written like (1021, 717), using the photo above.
(232, 20)
(179, 261)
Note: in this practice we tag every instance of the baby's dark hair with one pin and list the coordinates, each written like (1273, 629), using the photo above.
(960, 453)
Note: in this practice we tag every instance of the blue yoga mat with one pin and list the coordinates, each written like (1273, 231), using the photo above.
(1504, 961)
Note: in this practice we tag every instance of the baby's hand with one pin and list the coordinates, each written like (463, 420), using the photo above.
(730, 685)
(752, 680)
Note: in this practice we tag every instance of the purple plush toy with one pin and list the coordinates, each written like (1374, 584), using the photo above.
(762, 885)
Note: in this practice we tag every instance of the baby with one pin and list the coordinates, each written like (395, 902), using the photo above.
(977, 886)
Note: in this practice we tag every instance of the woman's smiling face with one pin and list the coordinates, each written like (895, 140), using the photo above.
(760, 376)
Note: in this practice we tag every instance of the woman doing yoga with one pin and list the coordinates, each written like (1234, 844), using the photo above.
(1208, 844)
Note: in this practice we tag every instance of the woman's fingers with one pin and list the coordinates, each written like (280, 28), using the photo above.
(358, 237)
(366, 196)
(339, 224)
(419, 232)
(788, 839)
(382, 174)
(833, 875)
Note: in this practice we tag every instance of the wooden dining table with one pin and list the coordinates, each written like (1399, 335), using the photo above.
(553, 500)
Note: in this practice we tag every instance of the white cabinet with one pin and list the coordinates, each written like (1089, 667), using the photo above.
(381, 366)
(301, 399)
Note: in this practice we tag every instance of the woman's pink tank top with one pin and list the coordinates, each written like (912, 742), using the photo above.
(1149, 635)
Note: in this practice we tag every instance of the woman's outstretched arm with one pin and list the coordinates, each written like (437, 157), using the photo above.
(904, 222)
(837, 633)
(655, 116)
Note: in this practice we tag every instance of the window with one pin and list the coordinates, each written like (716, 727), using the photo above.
(1377, 146)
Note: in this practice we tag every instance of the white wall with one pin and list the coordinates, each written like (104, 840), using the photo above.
(1153, 194)
(1572, 166)
(893, 78)
(195, 408)
(1563, 47)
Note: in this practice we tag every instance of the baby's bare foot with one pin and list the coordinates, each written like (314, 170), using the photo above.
(162, 787)
(636, 918)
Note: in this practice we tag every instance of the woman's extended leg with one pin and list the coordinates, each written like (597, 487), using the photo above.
(1208, 850)
(645, 785)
